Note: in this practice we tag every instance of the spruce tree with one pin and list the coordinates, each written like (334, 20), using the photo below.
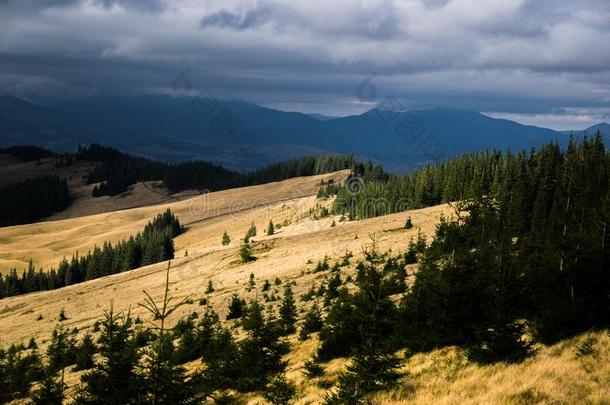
(288, 312)
(270, 228)
(245, 253)
(165, 380)
(226, 239)
(118, 368)
(210, 288)
(50, 390)
(409, 223)
(236, 307)
(61, 350)
(279, 391)
(84, 353)
(312, 322)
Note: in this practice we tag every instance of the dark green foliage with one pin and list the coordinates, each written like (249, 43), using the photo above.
(253, 319)
(332, 288)
(236, 307)
(463, 294)
(85, 350)
(61, 351)
(266, 286)
(369, 372)
(270, 228)
(210, 288)
(118, 368)
(250, 233)
(245, 253)
(409, 223)
(288, 312)
(19, 368)
(33, 199)
(152, 245)
(312, 322)
(226, 239)
(250, 364)
(322, 265)
(313, 369)
(50, 390)
(331, 189)
(32, 344)
(118, 171)
(62, 316)
(206, 339)
(395, 275)
(279, 391)
(165, 380)
(251, 282)
(368, 315)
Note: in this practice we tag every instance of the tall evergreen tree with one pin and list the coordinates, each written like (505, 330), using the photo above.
(288, 311)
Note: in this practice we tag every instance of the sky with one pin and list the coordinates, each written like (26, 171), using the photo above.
(541, 62)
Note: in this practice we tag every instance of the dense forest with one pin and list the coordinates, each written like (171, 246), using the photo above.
(33, 199)
(118, 171)
(154, 244)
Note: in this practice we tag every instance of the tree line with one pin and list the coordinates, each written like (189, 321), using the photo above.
(33, 199)
(152, 245)
(118, 171)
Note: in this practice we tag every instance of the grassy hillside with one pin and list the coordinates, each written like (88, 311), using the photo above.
(572, 371)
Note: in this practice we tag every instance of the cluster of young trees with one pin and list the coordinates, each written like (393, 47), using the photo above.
(154, 244)
(33, 199)
(126, 362)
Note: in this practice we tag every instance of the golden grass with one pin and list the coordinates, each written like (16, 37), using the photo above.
(555, 375)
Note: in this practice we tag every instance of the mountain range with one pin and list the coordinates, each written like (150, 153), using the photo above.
(244, 136)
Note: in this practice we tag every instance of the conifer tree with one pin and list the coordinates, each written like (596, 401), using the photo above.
(236, 307)
(279, 391)
(245, 253)
(251, 282)
(270, 228)
(61, 350)
(226, 239)
(84, 353)
(50, 391)
(165, 381)
(312, 322)
(409, 223)
(288, 312)
(118, 368)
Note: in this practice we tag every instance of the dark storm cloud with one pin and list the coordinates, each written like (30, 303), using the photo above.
(512, 56)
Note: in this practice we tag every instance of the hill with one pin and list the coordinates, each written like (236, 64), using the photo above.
(558, 372)
(603, 128)
(245, 136)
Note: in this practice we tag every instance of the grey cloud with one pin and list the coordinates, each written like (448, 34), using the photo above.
(253, 17)
(515, 56)
(141, 5)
